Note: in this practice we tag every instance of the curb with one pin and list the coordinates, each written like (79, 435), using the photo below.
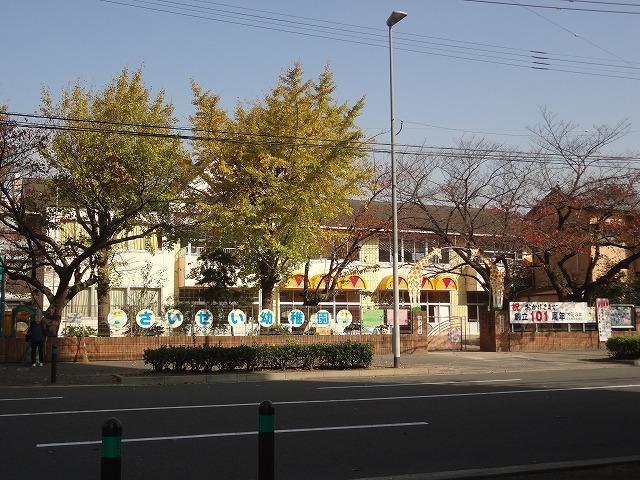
(246, 377)
(514, 469)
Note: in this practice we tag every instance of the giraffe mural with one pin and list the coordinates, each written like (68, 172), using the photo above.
(414, 279)
(496, 278)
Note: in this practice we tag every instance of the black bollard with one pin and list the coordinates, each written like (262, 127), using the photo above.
(111, 451)
(266, 442)
(54, 363)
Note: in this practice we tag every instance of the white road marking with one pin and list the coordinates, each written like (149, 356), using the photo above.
(29, 398)
(235, 434)
(336, 400)
(459, 382)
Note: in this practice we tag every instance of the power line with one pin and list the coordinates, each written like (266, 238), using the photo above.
(374, 36)
(412, 150)
(624, 4)
(277, 137)
(398, 35)
(479, 132)
(550, 7)
(572, 33)
(534, 64)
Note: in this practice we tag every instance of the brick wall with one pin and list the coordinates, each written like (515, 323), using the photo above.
(550, 341)
(131, 348)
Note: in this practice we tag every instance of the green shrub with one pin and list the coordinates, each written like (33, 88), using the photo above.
(251, 357)
(624, 346)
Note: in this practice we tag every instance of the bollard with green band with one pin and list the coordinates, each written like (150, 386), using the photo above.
(111, 451)
(266, 441)
(54, 363)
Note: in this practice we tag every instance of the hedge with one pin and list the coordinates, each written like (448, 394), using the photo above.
(624, 346)
(253, 357)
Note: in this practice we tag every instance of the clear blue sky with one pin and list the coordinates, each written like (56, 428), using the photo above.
(54, 42)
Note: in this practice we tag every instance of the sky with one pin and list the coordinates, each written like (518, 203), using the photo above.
(439, 99)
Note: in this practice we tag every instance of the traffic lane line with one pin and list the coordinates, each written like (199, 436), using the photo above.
(236, 434)
(29, 398)
(325, 401)
(459, 382)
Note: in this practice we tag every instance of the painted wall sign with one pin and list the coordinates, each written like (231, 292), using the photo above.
(549, 312)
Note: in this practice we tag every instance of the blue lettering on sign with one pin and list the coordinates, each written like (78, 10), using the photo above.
(145, 318)
(266, 318)
(297, 318)
(236, 317)
(204, 318)
(322, 318)
(174, 318)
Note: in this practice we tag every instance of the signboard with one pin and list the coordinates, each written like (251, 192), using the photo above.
(145, 318)
(372, 318)
(296, 318)
(236, 317)
(266, 317)
(174, 318)
(622, 317)
(204, 318)
(117, 319)
(603, 312)
(344, 318)
(323, 318)
(403, 318)
(549, 312)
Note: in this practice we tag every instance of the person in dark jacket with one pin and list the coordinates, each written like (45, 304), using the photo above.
(36, 335)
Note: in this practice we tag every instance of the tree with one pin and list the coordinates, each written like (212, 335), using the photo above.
(584, 229)
(219, 271)
(92, 186)
(342, 240)
(277, 171)
(469, 199)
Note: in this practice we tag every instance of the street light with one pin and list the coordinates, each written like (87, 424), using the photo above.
(394, 18)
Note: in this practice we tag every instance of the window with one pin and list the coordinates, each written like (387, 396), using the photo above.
(117, 298)
(79, 305)
(384, 249)
(479, 298)
(444, 255)
(412, 250)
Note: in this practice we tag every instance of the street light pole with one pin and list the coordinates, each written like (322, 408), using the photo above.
(394, 18)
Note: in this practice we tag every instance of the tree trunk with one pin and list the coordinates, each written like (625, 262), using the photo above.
(53, 317)
(268, 281)
(103, 290)
(267, 294)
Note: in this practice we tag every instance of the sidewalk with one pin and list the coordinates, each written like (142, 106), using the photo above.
(422, 364)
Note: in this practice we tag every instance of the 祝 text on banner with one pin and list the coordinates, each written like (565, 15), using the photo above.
(550, 312)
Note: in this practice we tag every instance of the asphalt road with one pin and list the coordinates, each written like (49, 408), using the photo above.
(327, 430)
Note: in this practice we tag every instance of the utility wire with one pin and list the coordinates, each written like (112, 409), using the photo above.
(534, 65)
(572, 33)
(550, 7)
(412, 150)
(278, 138)
(373, 36)
(623, 4)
